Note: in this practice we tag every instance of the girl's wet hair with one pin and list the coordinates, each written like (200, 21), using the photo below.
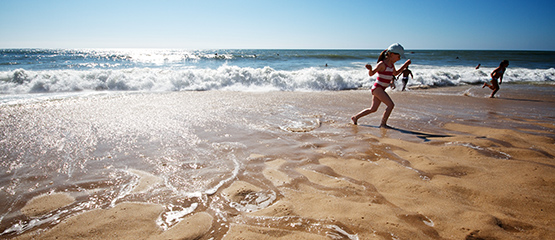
(504, 62)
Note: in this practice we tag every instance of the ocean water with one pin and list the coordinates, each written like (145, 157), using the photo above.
(93, 123)
(42, 73)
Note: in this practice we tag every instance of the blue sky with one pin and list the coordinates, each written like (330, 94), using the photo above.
(282, 24)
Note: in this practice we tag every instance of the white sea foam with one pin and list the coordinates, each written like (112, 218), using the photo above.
(150, 79)
(236, 78)
(455, 76)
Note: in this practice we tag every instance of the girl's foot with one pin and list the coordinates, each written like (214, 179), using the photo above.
(385, 126)
(354, 120)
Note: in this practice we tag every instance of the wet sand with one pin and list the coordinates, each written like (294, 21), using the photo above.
(456, 165)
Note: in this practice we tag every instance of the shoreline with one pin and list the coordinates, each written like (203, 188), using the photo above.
(455, 166)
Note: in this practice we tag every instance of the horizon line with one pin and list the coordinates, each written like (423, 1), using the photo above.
(346, 49)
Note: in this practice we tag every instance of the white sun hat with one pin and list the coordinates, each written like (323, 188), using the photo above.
(397, 48)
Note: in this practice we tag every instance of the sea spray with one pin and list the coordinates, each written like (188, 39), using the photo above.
(28, 73)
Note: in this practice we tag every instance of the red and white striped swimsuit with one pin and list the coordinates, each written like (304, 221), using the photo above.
(384, 78)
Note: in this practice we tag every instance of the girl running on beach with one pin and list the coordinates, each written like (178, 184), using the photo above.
(497, 74)
(386, 72)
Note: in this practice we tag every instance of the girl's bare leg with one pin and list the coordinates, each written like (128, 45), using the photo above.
(493, 93)
(495, 88)
(375, 104)
(384, 97)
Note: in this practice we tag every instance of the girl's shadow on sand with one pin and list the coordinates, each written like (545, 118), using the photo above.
(421, 135)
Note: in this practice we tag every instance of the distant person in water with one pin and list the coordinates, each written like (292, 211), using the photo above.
(386, 74)
(405, 78)
(497, 74)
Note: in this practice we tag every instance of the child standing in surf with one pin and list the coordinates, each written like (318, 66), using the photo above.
(386, 72)
(405, 78)
(495, 75)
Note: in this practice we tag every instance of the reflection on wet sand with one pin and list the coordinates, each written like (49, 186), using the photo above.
(226, 165)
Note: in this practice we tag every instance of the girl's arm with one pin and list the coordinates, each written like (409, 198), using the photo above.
(398, 75)
(494, 74)
(400, 70)
(392, 84)
(379, 67)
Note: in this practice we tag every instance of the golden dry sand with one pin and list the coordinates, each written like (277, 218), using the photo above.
(46, 203)
(471, 185)
(124, 221)
(464, 186)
